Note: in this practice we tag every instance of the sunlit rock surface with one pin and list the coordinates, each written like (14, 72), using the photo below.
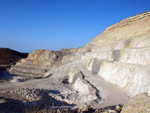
(121, 54)
(40, 61)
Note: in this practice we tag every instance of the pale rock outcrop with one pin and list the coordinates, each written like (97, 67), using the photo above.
(72, 75)
(83, 88)
(133, 79)
(121, 55)
(87, 92)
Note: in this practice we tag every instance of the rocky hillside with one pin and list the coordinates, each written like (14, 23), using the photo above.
(120, 56)
(8, 56)
(41, 61)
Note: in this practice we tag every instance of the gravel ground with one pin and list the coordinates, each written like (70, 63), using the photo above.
(64, 93)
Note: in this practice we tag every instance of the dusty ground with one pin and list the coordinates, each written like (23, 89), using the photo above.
(62, 94)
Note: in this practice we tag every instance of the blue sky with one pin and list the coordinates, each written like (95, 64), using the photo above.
(26, 25)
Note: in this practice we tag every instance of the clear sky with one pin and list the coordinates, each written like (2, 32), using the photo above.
(26, 25)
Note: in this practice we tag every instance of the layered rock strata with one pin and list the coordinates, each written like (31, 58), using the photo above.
(121, 54)
(41, 61)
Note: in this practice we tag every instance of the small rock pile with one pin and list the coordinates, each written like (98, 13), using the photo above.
(30, 94)
(110, 109)
(65, 93)
(4, 80)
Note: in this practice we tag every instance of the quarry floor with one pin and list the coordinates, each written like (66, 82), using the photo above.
(110, 95)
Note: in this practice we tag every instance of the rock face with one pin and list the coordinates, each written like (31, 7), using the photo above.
(85, 90)
(120, 56)
(41, 61)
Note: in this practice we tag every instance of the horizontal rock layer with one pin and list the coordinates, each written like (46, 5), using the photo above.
(40, 61)
(121, 54)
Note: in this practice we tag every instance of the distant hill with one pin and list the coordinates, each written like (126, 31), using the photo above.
(8, 56)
